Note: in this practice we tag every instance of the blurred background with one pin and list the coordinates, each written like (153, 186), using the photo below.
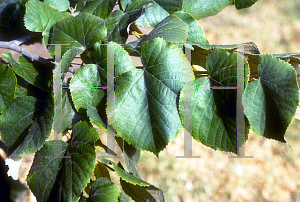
(274, 171)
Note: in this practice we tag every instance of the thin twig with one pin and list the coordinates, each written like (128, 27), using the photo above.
(24, 39)
(24, 52)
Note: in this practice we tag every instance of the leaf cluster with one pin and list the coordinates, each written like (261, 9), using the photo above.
(141, 108)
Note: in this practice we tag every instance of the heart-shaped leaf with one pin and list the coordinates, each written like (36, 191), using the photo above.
(214, 118)
(146, 113)
(271, 100)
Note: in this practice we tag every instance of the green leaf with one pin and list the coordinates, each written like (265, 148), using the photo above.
(122, 61)
(12, 124)
(26, 131)
(271, 100)
(34, 74)
(77, 170)
(131, 45)
(239, 4)
(39, 17)
(123, 197)
(20, 91)
(86, 88)
(202, 8)
(171, 6)
(8, 82)
(83, 199)
(201, 51)
(67, 59)
(131, 156)
(213, 111)
(142, 194)
(43, 173)
(117, 24)
(125, 175)
(146, 113)
(60, 5)
(171, 29)
(100, 8)
(118, 21)
(69, 115)
(82, 32)
(195, 32)
(152, 16)
(135, 7)
(101, 171)
(95, 118)
(124, 4)
(71, 169)
(104, 190)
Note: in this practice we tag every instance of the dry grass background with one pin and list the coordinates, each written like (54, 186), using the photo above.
(274, 171)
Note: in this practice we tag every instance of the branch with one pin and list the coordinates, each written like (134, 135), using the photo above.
(25, 38)
(23, 51)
